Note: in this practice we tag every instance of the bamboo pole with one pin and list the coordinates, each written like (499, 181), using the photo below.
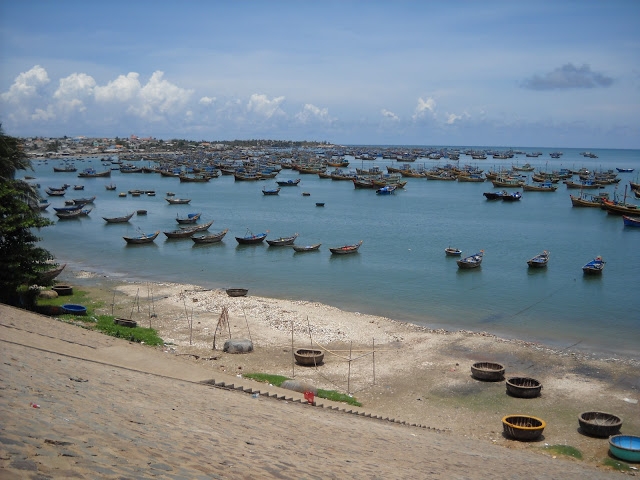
(293, 358)
(349, 374)
(373, 346)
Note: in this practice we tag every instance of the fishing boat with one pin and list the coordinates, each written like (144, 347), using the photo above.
(48, 275)
(594, 267)
(42, 205)
(178, 201)
(189, 219)
(237, 292)
(83, 201)
(55, 193)
(110, 187)
(452, 252)
(539, 260)
(180, 233)
(507, 182)
(92, 173)
(65, 168)
(123, 219)
(213, 238)
(67, 209)
(495, 195)
(386, 190)
(346, 249)
(78, 187)
(512, 197)
(251, 239)
(78, 212)
(472, 261)
(623, 170)
(585, 200)
(283, 241)
(199, 228)
(306, 248)
(614, 207)
(274, 191)
(288, 183)
(591, 185)
(195, 178)
(539, 187)
(631, 221)
(144, 238)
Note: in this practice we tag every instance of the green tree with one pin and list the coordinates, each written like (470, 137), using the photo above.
(21, 260)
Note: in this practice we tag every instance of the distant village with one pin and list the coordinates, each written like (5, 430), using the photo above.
(136, 147)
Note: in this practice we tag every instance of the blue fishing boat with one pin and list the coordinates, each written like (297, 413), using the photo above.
(631, 221)
(472, 261)
(625, 447)
(594, 267)
(539, 260)
(288, 183)
(386, 190)
(251, 239)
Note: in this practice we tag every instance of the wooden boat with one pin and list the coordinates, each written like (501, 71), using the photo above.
(346, 249)
(583, 185)
(189, 219)
(471, 178)
(620, 208)
(588, 200)
(527, 167)
(42, 205)
(70, 208)
(512, 197)
(539, 187)
(65, 168)
(195, 178)
(288, 183)
(111, 186)
(274, 191)
(523, 427)
(144, 238)
(452, 252)
(319, 204)
(251, 239)
(55, 193)
(180, 233)
(472, 261)
(487, 371)
(48, 275)
(539, 260)
(595, 266)
(214, 238)
(237, 292)
(599, 424)
(283, 241)
(623, 170)
(92, 173)
(123, 219)
(495, 195)
(178, 201)
(78, 187)
(631, 221)
(72, 214)
(83, 201)
(504, 182)
(199, 228)
(306, 248)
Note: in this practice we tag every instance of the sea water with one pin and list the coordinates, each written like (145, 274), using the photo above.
(401, 270)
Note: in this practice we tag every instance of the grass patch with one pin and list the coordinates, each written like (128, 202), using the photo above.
(277, 381)
(616, 465)
(144, 335)
(78, 297)
(566, 450)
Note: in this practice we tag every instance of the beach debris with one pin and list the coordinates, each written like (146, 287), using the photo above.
(631, 400)
(77, 379)
(34, 405)
(298, 386)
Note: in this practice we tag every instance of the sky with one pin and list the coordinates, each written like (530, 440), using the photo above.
(461, 73)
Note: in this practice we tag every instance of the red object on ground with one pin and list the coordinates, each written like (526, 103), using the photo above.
(308, 396)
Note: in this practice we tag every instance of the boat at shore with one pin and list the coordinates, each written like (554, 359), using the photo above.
(213, 238)
(539, 260)
(251, 239)
(143, 238)
(283, 241)
(472, 261)
(346, 249)
(123, 219)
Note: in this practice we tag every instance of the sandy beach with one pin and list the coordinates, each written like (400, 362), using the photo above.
(397, 371)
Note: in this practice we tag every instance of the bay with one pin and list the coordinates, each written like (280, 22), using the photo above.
(401, 271)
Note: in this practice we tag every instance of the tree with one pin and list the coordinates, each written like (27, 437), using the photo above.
(21, 260)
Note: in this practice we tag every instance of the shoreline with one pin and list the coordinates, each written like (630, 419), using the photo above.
(591, 352)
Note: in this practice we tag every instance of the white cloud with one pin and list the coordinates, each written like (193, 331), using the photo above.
(424, 107)
(311, 113)
(122, 89)
(207, 100)
(74, 91)
(452, 117)
(261, 105)
(26, 85)
(390, 115)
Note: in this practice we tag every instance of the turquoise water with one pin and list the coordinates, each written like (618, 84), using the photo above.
(401, 270)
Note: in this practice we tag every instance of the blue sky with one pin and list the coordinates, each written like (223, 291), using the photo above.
(500, 73)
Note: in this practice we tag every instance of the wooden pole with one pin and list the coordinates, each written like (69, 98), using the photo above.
(374, 360)
(349, 374)
(247, 322)
(293, 358)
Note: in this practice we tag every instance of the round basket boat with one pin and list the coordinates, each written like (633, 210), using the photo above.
(63, 290)
(125, 322)
(599, 424)
(487, 371)
(74, 309)
(625, 447)
(523, 387)
(308, 356)
(523, 427)
(237, 292)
